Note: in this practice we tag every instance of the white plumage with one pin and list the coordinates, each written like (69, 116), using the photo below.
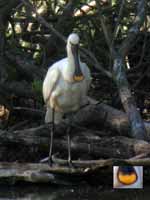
(61, 91)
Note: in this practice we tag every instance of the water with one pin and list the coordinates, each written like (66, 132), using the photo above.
(44, 192)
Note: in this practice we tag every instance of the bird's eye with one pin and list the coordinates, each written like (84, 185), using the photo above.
(127, 175)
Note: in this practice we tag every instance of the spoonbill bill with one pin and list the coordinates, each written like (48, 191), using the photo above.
(65, 88)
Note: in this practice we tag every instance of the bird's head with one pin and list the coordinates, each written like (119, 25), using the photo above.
(73, 48)
(73, 39)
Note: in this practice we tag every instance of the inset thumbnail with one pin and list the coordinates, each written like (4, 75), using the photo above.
(127, 177)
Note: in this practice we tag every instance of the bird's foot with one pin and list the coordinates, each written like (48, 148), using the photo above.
(70, 163)
(50, 161)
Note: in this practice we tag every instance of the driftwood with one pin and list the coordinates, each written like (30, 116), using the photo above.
(41, 173)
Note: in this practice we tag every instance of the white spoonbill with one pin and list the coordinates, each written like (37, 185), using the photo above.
(65, 87)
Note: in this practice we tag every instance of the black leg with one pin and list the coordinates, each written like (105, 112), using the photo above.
(69, 140)
(69, 146)
(51, 137)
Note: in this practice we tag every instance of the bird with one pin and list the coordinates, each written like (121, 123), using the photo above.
(65, 88)
(127, 177)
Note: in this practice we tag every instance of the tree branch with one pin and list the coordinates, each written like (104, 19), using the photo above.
(137, 126)
(135, 28)
(42, 21)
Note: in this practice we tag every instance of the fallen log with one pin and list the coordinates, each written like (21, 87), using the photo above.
(34, 145)
(103, 115)
(94, 115)
(11, 173)
(41, 173)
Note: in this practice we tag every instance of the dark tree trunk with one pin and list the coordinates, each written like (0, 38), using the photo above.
(137, 125)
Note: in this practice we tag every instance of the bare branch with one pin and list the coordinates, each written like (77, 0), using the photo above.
(106, 32)
(97, 65)
(118, 22)
(134, 30)
(42, 21)
(137, 126)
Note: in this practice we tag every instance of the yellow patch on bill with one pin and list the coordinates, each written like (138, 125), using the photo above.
(78, 78)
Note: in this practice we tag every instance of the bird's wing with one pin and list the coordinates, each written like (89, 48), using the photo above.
(49, 83)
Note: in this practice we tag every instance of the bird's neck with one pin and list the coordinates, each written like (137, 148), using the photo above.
(70, 67)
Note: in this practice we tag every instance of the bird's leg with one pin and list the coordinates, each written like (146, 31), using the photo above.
(69, 146)
(51, 137)
(69, 141)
